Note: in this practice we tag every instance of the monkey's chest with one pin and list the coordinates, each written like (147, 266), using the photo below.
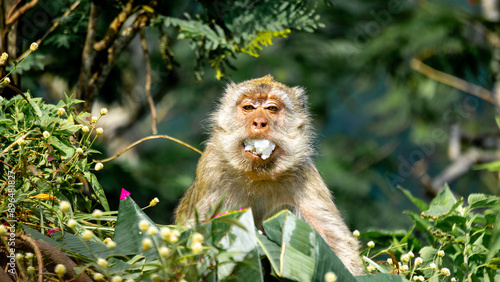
(262, 202)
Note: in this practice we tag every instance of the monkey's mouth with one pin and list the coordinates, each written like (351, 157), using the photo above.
(262, 148)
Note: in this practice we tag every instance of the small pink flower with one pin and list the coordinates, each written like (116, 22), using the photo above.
(226, 212)
(124, 194)
(222, 213)
(50, 231)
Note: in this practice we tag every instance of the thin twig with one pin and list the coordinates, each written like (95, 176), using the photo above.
(15, 16)
(452, 81)
(38, 254)
(147, 86)
(18, 92)
(15, 142)
(149, 138)
(21, 272)
(51, 29)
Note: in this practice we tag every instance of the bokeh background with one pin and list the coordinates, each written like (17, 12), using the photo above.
(394, 88)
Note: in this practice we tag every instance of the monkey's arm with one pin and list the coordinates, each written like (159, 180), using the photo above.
(201, 194)
(315, 204)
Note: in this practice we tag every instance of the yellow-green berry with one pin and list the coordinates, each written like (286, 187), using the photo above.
(102, 262)
(146, 244)
(143, 225)
(64, 206)
(60, 270)
(33, 47)
(330, 277)
(87, 235)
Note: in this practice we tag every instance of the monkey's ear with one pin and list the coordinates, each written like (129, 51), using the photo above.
(300, 93)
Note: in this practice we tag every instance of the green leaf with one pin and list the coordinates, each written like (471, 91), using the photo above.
(421, 224)
(294, 264)
(491, 166)
(304, 255)
(39, 236)
(482, 201)
(436, 211)
(33, 61)
(245, 261)
(494, 245)
(417, 202)
(34, 104)
(73, 244)
(271, 250)
(374, 264)
(383, 234)
(444, 198)
(97, 190)
(68, 151)
(127, 233)
(67, 127)
(380, 277)
(448, 223)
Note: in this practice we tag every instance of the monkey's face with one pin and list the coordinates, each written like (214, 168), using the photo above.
(262, 129)
(261, 113)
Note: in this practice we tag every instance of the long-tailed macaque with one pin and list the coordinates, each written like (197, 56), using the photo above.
(259, 156)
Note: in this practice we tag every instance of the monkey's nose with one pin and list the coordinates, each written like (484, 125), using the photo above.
(259, 125)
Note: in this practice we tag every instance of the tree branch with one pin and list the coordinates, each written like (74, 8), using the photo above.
(452, 81)
(88, 55)
(147, 86)
(114, 27)
(51, 29)
(19, 12)
(461, 165)
(100, 76)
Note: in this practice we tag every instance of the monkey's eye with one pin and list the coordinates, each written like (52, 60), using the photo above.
(248, 108)
(272, 109)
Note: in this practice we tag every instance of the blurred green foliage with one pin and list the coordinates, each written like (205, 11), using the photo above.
(450, 239)
(375, 115)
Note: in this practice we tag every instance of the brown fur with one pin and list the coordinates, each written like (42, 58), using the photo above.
(288, 178)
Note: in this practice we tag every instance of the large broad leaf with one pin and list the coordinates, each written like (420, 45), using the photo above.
(271, 250)
(304, 255)
(39, 236)
(128, 236)
(380, 277)
(127, 233)
(72, 244)
(241, 246)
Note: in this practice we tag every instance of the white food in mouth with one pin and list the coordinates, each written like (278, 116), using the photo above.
(260, 147)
